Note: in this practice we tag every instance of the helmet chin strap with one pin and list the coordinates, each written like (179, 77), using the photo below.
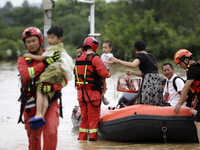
(186, 63)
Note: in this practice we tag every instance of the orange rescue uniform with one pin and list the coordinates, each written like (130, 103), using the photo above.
(31, 69)
(88, 92)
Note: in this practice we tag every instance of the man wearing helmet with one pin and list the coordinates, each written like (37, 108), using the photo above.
(30, 70)
(184, 59)
(88, 69)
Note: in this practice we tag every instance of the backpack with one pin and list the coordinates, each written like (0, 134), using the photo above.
(189, 94)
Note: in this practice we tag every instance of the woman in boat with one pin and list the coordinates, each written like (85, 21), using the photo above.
(151, 92)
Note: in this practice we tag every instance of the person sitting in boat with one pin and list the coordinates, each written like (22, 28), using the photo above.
(184, 59)
(174, 85)
(151, 92)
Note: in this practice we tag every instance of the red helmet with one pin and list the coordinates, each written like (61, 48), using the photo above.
(32, 31)
(91, 42)
(181, 54)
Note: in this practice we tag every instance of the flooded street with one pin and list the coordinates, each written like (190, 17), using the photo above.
(13, 136)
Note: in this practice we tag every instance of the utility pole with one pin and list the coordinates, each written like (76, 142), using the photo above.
(47, 6)
(92, 33)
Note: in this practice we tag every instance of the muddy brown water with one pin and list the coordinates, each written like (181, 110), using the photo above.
(13, 136)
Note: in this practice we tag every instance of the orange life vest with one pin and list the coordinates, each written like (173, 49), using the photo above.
(29, 87)
(85, 74)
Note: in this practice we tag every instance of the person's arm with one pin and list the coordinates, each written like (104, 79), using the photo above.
(136, 73)
(194, 103)
(27, 73)
(165, 97)
(185, 97)
(101, 69)
(35, 57)
(133, 64)
(184, 92)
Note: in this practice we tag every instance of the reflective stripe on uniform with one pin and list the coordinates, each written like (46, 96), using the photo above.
(79, 82)
(77, 75)
(93, 130)
(83, 130)
(63, 83)
(108, 74)
(31, 72)
(191, 90)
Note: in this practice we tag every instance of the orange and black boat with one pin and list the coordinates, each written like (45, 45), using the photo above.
(145, 123)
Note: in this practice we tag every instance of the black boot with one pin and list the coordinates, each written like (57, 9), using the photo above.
(91, 139)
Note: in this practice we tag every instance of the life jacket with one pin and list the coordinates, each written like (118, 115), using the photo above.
(28, 88)
(28, 94)
(195, 87)
(85, 74)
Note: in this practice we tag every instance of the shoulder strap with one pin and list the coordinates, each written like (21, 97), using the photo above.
(174, 84)
(152, 62)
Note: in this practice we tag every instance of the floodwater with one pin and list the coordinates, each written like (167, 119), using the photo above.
(13, 136)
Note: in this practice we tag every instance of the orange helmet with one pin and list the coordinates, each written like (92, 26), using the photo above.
(91, 42)
(181, 54)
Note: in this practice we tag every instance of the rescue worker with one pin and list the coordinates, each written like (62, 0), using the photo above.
(184, 59)
(88, 69)
(30, 70)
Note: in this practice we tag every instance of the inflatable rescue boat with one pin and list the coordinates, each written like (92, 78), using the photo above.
(144, 123)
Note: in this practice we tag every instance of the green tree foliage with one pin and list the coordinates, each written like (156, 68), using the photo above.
(73, 18)
(25, 16)
(165, 25)
(9, 49)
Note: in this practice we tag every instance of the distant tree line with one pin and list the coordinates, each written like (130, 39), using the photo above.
(165, 26)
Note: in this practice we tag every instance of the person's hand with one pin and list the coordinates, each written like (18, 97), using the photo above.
(55, 58)
(114, 60)
(107, 62)
(45, 87)
(128, 72)
(111, 61)
(26, 55)
(193, 104)
(177, 108)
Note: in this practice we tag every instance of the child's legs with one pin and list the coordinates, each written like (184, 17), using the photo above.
(39, 105)
(104, 87)
(45, 105)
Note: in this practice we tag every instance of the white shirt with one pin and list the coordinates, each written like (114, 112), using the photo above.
(174, 95)
(106, 57)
